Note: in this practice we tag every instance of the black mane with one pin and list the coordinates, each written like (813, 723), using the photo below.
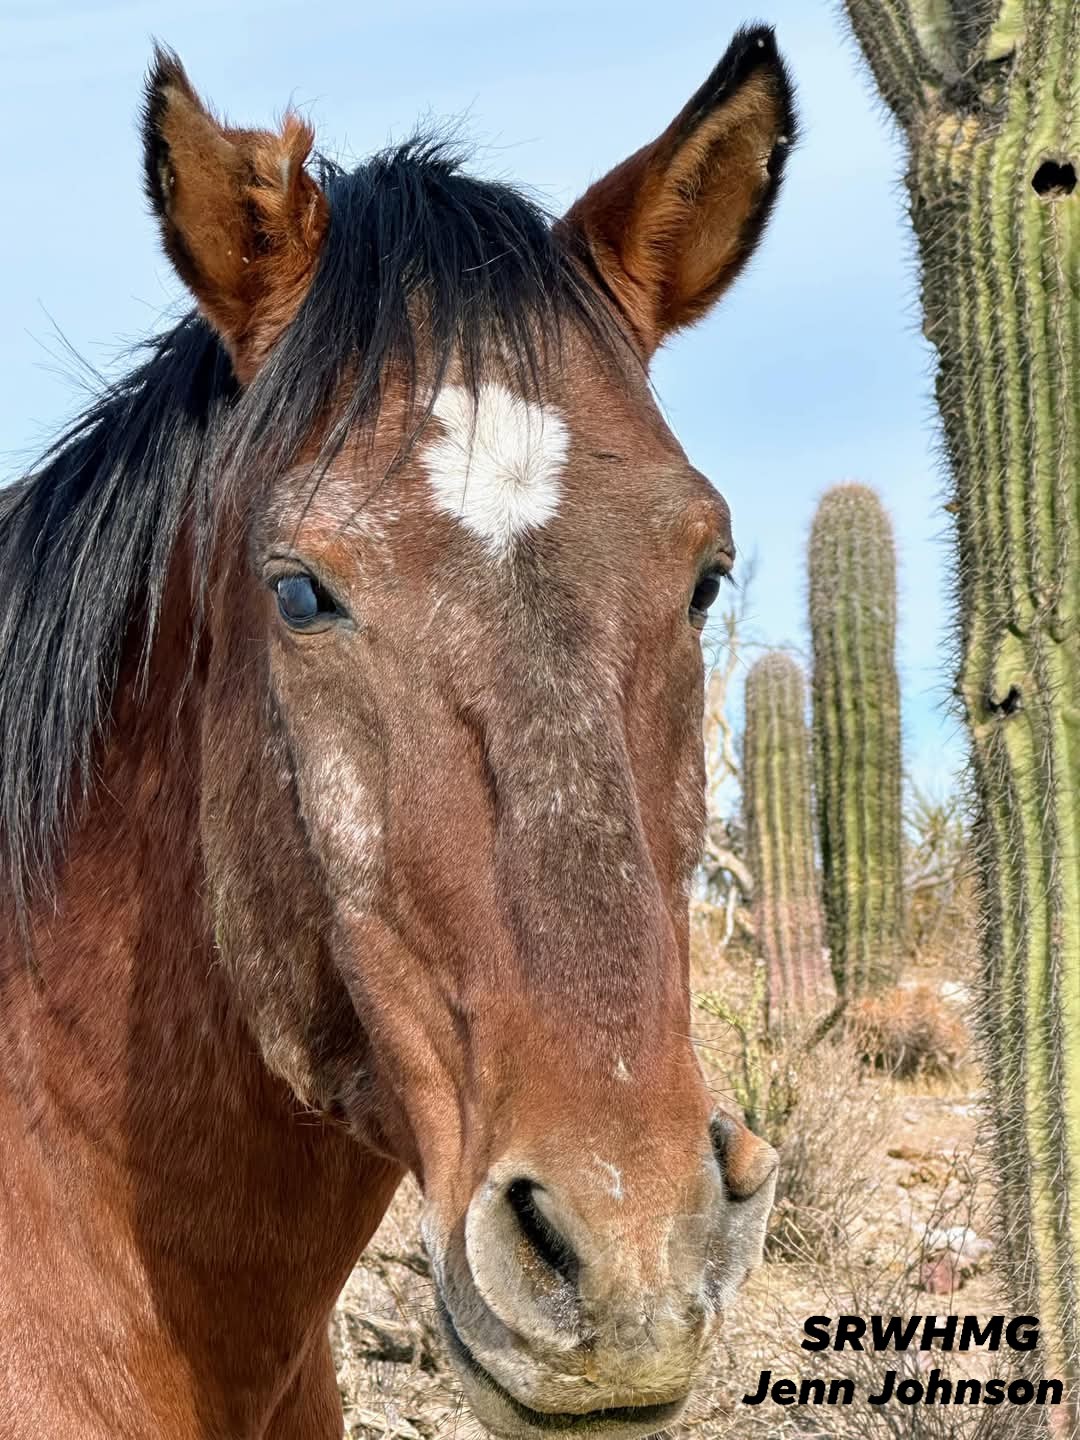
(415, 248)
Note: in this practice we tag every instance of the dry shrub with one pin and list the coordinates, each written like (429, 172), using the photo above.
(806, 1092)
(940, 908)
(769, 1338)
(908, 1032)
(830, 1146)
(391, 1368)
(765, 1331)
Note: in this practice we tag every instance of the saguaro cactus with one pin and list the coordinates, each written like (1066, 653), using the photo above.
(988, 95)
(780, 836)
(857, 735)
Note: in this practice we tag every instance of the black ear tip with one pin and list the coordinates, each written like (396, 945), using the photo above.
(761, 38)
(756, 45)
(165, 72)
(752, 48)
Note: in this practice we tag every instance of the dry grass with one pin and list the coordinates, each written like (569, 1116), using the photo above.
(829, 1146)
(766, 1334)
(391, 1367)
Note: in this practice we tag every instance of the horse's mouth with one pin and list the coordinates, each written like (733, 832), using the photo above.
(508, 1417)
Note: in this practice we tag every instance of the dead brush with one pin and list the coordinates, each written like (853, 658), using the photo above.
(829, 1142)
(766, 1332)
(391, 1367)
(908, 1032)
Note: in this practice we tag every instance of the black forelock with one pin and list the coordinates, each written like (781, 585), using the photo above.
(422, 266)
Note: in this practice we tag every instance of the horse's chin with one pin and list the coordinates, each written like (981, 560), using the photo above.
(509, 1418)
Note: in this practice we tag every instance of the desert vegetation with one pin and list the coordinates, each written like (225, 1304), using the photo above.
(857, 766)
(780, 839)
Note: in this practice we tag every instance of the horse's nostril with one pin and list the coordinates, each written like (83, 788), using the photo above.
(539, 1232)
(746, 1162)
(722, 1131)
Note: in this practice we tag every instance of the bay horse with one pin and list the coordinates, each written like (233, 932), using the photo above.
(352, 786)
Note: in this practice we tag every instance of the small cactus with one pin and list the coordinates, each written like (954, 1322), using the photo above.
(752, 1078)
(856, 732)
(780, 837)
(988, 97)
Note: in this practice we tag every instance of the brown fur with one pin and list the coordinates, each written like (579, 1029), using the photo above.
(241, 219)
(670, 227)
(409, 894)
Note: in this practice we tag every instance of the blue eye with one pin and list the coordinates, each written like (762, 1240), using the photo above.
(302, 601)
(708, 588)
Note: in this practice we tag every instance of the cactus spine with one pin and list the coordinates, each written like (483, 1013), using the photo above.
(780, 837)
(989, 98)
(857, 735)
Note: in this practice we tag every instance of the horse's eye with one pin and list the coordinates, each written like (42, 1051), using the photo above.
(302, 601)
(708, 588)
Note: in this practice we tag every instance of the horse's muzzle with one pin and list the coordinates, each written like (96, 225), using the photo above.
(572, 1307)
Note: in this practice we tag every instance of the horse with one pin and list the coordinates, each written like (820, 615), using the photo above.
(352, 790)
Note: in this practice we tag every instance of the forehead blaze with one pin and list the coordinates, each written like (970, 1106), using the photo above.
(496, 464)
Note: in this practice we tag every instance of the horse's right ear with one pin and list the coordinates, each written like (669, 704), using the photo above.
(241, 219)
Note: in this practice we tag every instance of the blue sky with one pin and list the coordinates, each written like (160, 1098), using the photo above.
(812, 370)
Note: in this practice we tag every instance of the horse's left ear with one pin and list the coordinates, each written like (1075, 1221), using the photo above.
(241, 219)
(671, 227)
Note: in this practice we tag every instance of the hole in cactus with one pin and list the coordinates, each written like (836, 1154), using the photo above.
(1054, 177)
(1010, 703)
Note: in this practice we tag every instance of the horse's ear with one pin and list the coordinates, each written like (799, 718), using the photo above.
(671, 227)
(241, 219)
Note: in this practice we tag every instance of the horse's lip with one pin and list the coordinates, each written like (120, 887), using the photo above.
(593, 1422)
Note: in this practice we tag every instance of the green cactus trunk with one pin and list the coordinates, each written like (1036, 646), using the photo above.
(857, 768)
(780, 839)
(989, 98)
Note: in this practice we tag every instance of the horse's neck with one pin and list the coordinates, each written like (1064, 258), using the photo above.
(171, 1172)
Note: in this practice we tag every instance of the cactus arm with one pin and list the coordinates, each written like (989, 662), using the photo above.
(935, 33)
(893, 43)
